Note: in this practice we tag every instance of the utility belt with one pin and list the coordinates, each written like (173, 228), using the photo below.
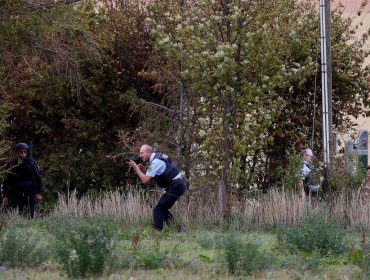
(168, 183)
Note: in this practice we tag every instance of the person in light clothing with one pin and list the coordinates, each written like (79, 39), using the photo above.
(306, 171)
(167, 175)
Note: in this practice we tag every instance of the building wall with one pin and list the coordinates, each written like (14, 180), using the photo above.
(361, 21)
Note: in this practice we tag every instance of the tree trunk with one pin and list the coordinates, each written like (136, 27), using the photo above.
(224, 187)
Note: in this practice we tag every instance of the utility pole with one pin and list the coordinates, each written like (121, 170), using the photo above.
(326, 75)
(332, 143)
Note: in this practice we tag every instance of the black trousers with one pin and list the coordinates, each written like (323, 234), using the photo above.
(23, 201)
(161, 213)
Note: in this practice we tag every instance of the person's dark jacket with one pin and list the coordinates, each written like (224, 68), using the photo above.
(22, 178)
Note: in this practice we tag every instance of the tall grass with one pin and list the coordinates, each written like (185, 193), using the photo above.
(275, 208)
(132, 207)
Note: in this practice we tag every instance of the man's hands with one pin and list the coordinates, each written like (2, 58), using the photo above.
(5, 200)
(133, 165)
(139, 169)
(38, 197)
(136, 166)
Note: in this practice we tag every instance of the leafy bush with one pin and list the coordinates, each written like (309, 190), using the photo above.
(147, 255)
(365, 266)
(24, 245)
(210, 241)
(347, 177)
(151, 259)
(82, 247)
(4, 108)
(360, 258)
(314, 233)
(243, 257)
(290, 174)
(121, 255)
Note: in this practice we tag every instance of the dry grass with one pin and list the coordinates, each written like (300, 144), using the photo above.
(6, 217)
(131, 207)
(275, 208)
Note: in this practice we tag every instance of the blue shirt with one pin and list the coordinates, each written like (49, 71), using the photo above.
(157, 167)
(305, 170)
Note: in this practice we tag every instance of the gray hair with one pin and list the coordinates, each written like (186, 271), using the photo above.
(306, 152)
(147, 148)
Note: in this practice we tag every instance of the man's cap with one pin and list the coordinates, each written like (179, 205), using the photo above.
(21, 146)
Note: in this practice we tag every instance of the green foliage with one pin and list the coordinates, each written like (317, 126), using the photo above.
(309, 261)
(31, 246)
(79, 79)
(216, 46)
(356, 256)
(315, 233)
(86, 248)
(75, 63)
(4, 109)
(290, 174)
(83, 247)
(365, 265)
(23, 244)
(141, 250)
(241, 257)
(347, 176)
(208, 241)
(151, 260)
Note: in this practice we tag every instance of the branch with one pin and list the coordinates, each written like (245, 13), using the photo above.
(31, 6)
(158, 105)
(33, 70)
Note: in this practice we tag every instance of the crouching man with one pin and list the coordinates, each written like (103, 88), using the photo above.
(167, 175)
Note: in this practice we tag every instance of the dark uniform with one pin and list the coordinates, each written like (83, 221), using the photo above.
(309, 189)
(174, 186)
(21, 185)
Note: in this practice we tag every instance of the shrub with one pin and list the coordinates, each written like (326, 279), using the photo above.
(347, 177)
(150, 259)
(314, 233)
(290, 174)
(83, 247)
(121, 255)
(141, 250)
(24, 245)
(209, 241)
(243, 257)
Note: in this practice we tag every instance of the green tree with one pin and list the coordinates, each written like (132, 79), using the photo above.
(66, 70)
(251, 73)
(3, 146)
(232, 53)
(299, 124)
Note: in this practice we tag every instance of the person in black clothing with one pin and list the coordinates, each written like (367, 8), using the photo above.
(167, 175)
(22, 185)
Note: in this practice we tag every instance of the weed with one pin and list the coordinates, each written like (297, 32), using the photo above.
(82, 248)
(243, 257)
(314, 233)
(24, 245)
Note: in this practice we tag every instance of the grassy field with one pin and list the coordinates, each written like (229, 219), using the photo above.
(82, 239)
(197, 255)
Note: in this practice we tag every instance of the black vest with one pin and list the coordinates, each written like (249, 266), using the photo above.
(171, 171)
(306, 180)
